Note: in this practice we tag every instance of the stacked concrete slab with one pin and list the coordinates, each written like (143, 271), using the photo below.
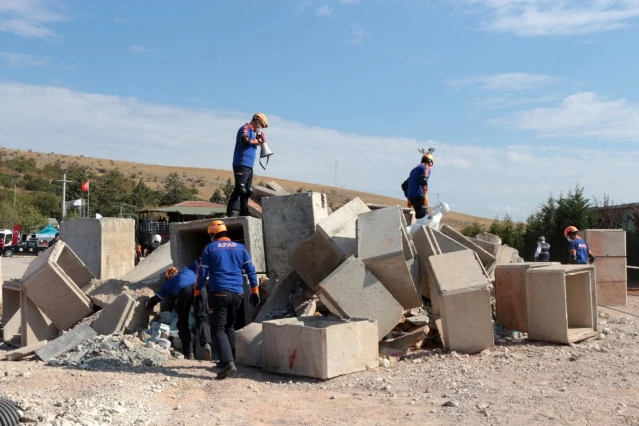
(319, 347)
(288, 220)
(106, 246)
(340, 228)
(609, 248)
(463, 290)
(385, 247)
(561, 303)
(188, 239)
(487, 259)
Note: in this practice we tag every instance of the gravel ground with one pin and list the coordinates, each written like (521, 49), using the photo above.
(594, 382)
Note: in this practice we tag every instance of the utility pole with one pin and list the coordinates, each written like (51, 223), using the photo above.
(438, 197)
(335, 174)
(15, 179)
(64, 193)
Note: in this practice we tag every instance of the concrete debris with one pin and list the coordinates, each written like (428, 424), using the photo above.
(410, 340)
(11, 315)
(151, 268)
(487, 259)
(248, 345)
(489, 238)
(114, 318)
(24, 352)
(66, 342)
(277, 188)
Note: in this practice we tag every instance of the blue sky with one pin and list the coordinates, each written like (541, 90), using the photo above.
(520, 98)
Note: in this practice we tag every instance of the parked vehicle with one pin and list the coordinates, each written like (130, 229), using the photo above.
(25, 248)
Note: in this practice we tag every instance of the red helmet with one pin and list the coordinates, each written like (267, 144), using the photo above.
(570, 230)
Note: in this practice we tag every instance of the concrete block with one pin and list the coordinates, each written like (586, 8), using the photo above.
(278, 299)
(486, 258)
(113, 318)
(11, 317)
(106, 246)
(188, 239)
(560, 303)
(320, 347)
(277, 188)
(261, 192)
(408, 215)
(384, 246)
(461, 294)
(66, 342)
(34, 324)
(611, 269)
(447, 244)
(510, 294)
(315, 258)
(612, 293)
(152, 266)
(288, 220)
(248, 345)
(341, 226)
(46, 283)
(491, 248)
(605, 242)
(24, 352)
(426, 246)
(352, 291)
(255, 210)
(407, 341)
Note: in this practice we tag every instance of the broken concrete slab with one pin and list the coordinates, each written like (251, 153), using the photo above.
(340, 228)
(66, 342)
(47, 284)
(277, 188)
(463, 295)
(152, 267)
(510, 294)
(407, 341)
(188, 239)
(560, 303)
(486, 258)
(352, 291)
(289, 220)
(34, 324)
(105, 246)
(384, 246)
(11, 316)
(24, 352)
(114, 317)
(278, 299)
(605, 242)
(307, 308)
(248, 345)
(320, 347)
(315, 258)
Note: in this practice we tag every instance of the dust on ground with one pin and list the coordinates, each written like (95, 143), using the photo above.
(594, 382)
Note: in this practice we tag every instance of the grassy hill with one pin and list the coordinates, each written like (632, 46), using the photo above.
(206, 181)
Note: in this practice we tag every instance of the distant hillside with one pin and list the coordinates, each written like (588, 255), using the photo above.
(206, 181)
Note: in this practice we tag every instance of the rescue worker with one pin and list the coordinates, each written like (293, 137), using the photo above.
(180, 285)
(247, 139)
(223, 261)
(579, 251)
(54, 240)
(542, 252)
(416, 186)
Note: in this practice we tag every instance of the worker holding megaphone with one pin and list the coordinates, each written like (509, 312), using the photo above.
(249, 137)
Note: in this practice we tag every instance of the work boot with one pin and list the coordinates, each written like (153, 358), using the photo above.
(228, 371)
(207, 353)
(245, 214)
(190, 355)
(232, 213)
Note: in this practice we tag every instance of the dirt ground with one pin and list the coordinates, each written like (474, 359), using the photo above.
(594, 382)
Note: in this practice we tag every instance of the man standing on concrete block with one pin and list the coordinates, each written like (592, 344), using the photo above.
(248, 138)
(416, 186)
(180, 285)
(542, 252)
(579, 250)
(224, 261)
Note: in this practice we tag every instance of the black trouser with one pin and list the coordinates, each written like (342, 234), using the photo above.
(201, 311)
(241, 193)
(418, 204)
(225, 305)
(183, 308)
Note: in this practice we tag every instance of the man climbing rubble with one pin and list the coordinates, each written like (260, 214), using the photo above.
(223, 262)
(248, 138)
(579, 251)
(416, 186)
(542, 252)
(180, 285)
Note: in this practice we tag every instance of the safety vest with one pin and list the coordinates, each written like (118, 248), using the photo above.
(544, 256)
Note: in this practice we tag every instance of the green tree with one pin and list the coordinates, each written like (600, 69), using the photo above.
(175, 191)
(218, 197)
(8, 215)
(472, 229)
(47, 204)
(30, 218)
(227, 189)
(607, 217)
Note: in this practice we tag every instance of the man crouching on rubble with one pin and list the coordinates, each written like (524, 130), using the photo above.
(224, 261)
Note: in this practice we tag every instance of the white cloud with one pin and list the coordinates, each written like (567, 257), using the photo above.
(506, 81)
(555, 17)
(582, 115)
(473, 177)
(505, 102)
(140, 48)
(324, 11)
(347, 2)
(358, 35)
(21, 60)
(31, 18)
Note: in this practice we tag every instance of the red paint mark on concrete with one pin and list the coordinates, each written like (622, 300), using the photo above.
(291, 358)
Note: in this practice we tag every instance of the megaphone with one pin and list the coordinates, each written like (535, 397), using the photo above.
(265, 152)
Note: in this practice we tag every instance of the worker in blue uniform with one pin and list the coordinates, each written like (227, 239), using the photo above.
(223, 262)
(416, 186)
(179, 284)
(579, 252)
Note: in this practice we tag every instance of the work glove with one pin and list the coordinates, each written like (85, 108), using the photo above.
(591, 258)
(573, 259)
(261, 137)
(150, 304)
(255, 299)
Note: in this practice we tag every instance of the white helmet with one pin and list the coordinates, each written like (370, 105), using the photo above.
(157, 238)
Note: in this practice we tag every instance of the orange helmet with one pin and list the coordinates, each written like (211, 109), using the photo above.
(171, 272)
(261, 118)
(429, 157)
(216, 227)
(570, 230)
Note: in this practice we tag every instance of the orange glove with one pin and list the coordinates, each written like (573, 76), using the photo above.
(408, 204)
